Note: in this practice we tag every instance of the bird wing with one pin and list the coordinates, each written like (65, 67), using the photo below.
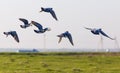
(60, 38)
(38, 25)
(23, 20)
(104, 34)
(53, 14)
(70, 38)
(15, 36)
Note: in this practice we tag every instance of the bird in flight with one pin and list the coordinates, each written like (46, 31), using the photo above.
(26, 23)
(98, 32)
(66, 35)
(13, 34)
(40, 27)
(49, 10)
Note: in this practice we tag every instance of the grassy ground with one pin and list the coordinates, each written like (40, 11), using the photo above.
(59, 62)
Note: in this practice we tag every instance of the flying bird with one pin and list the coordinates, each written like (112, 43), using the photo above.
(98, 32)
(13, 34)
(66, 35)
(40, 27)
(49, 10)
(26, 23)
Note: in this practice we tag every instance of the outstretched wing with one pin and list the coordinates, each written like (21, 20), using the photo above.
(104, 34)
(38, 25)
(60, 38)
(53, 14)
(15, 36)
(23, 20)
(70, 38)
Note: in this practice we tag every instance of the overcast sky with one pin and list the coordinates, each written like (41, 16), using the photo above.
(73, 15)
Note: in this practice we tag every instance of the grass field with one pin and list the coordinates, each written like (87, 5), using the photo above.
(59, 62)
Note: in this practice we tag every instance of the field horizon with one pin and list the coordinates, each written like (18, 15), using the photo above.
(59, 50)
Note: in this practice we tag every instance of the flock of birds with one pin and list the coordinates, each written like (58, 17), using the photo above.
(40, 29)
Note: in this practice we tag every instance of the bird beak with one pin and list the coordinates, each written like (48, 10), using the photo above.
(49, 29)
(30, 24)
(40, 11)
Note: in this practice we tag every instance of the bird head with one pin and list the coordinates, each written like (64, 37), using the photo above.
(100, 29)
(6, 33)
(42, 9)
(32, 22)
(48, 29)
(67, 32)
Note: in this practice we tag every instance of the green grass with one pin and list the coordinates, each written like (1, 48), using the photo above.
(59, 62)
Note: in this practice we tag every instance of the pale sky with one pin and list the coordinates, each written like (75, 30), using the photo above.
(73, 15)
